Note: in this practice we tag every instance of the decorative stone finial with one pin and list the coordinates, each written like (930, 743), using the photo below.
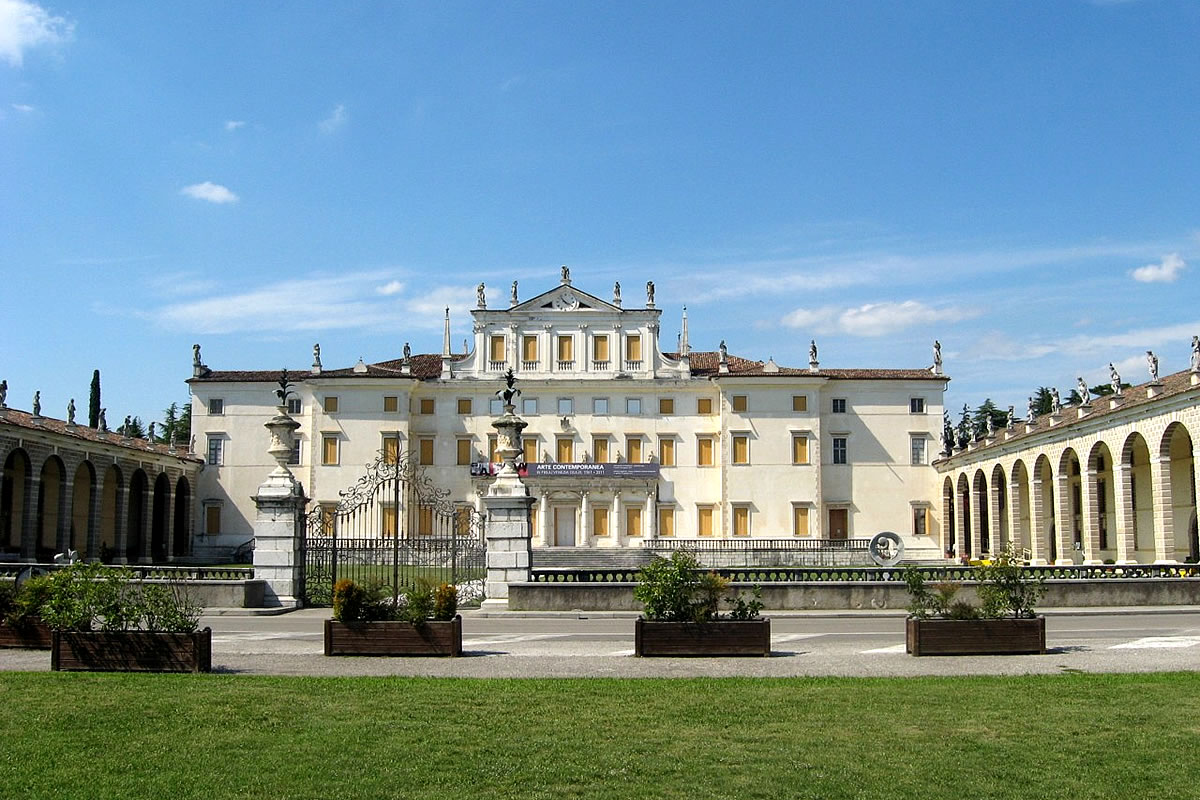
(361, 367)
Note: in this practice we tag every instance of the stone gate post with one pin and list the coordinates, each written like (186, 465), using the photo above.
(508, 534)
(279, 521)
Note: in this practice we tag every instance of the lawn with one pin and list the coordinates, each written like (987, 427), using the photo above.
(222, 736)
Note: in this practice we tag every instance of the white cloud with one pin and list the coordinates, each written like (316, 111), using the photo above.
(391, 288)
(1165, 271)
(22, 107)
(335, 121)
(25, 25)
(212, 192)
(234, 124)
(874, 319)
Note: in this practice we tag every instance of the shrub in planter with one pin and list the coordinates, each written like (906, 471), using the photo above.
(1005, 622)
(21, 622)
(101, 620)
(681, 612)
(367, 622)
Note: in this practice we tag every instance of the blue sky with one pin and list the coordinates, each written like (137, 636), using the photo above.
(1018, 180)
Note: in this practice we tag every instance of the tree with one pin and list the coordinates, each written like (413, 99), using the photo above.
(170, 423)
(947, 433)
(183, 428)
(984, 412)
(132, 428)
(965, 427)
(1043, 403)
(94, 401)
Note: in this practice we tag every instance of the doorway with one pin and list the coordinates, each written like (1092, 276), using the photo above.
(839, 523)
(564, 527)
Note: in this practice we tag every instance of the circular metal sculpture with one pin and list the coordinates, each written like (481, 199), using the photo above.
(886, 549)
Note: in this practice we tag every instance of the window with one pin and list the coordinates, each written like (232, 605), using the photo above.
(566, 450)
(464, 405)
(738, 402)
(216, 407)
(704, 451)
(799, 520)
(839, 405)
(391, 404)
(839, 450)
(329, 450)
(799, 402)
(529, 406)
(633, 405)
(388, 520)
(331, 405)
(799, 448)
(425, 521)
(666, 405)
(566, 349)
(704, 521)
(600, 349)
(633, 449)
(633, 347)
(666, 451)
(462, 452)
(666, 522)
(921, 520)
(391, 449)
(916, 405)
(293, 405)
(294, 456)
(741, 520)
(633, 521)
(566, 405)
(741, 448)
(425, 451)
(216, 449)
(600, 522)
(529, 348)
(600, 405)
(496, 349)
(529, 449)
(496, 406)
(492, 448)
(212, 519)
(426, 405)
(704, 405)
(600, 449)
(917, 448)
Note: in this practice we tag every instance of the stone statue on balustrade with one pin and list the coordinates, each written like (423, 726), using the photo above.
(1009, 421)
(1030, 414)
(1114, 380)
(1152, 365)
(71, 412)
(4, 393)
(1195, 363)
(1081, 388)
(649, 293)
(937, 357)
(37, 404)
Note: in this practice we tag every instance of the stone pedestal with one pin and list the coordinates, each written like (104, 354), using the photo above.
(508, 535)
(279, 521)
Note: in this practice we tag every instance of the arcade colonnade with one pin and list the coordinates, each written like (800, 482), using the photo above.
(1113, 480)
(107, 497)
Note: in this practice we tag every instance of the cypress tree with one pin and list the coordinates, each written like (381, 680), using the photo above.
(94, 401)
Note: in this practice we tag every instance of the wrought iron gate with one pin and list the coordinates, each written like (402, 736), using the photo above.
(394, 527)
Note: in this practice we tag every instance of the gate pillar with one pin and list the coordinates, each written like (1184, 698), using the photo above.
(508, 535)
(279, 521)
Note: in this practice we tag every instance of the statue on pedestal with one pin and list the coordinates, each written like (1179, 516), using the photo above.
(150, 434)
(37, 404)
(723, 350)
(812, 354)
(513, 298)
(317, 355)
(1009, 421)
(1030, 414)
(71, 412)
(1195, 355)
(4, 393)
(937, 357)
(566, 274)
(991, 427)
(1114, 379)
(196, 355)
(649, 293)
(617, 293)
(102, 420)
(407, 353)
(1081, 388)
(1152, 365)
(480, 297)
(1055, 402)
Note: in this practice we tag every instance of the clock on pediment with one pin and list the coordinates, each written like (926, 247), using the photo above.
(565, 301)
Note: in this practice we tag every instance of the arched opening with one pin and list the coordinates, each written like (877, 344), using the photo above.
(135, 520)
(1101, 495)
(981, 506)
(181, 524)
(1176, 452)
(1022, 510)
(1136, 456)
(964, 515)
(84, 484)
(948, 538)
(1003, 532)
(49, 508)
(1070, 516)
(13, 489)
(160, 518)
(1045, 545)
(112, 494)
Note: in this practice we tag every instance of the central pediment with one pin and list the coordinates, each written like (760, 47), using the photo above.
(565, 298)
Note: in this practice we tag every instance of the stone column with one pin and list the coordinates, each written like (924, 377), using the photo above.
(650, 523)
(91, 542)
(29, 519)
(66, 513)
(1125, 524)
(544, 518)
(1014, 515)
(961, 522)
(1037, 524)
(1164, 522)
(147, 522)
(279, 521)
(509, 547)
(1088, 516)
(618, 521)
(169, 522)
(585, 519)
(995, 529)
(977, 504)
(1064, 528)
(121, 523)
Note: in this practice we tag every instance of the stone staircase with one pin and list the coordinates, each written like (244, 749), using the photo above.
(589, 558)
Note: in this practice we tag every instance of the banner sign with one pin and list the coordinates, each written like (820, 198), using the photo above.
(643, 471)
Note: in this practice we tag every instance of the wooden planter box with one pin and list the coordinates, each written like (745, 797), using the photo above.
(432, 638)
(34, 636)
(960, 637)
(717, 638)
(132, 651)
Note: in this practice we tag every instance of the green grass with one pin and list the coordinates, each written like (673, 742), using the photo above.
(219, 736)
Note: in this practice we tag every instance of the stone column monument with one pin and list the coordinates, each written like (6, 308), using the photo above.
(278, 524)
(509, 543)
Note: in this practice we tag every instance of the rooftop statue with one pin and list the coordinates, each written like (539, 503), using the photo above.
(1152, 365)
(1114, 379)
(937, 357)
(1009, 421)
(407, 352)
(1055, 402)
(617, 293)
(71, 412)
(37, 404)
(513, 298)
(1195, 354)
(3, 393)
(1081, 388)
(196, 355)
(480, 297)
(566, 274)
(1030, 414)
(724, 351)
(102, 420)
(649, 293)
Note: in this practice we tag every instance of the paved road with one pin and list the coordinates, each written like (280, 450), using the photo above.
(802, 644)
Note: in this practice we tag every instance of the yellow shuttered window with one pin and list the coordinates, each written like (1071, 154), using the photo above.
(633, 449)
(666, 522)
(666, 405)
(391, 404)
(666, 450)
(704, 405)
(799, 449)
(464, 405)
(741, 521)
(738, 402)
(799, 402)
(566, 348)
(800, 521)
(600, 449)
(566, 451)
(529, 446)
(388, 520)
(329, 450)
(425, 451)
(496, 349)
(704, 521)
(529, 348)
(463, 452)
(633, 521)
(492, 449)
(391, 449)
(600, 348)
(633, 348)
(427, 405)
(741, 449)
(704, 451)
(600, 522)
(425, 521)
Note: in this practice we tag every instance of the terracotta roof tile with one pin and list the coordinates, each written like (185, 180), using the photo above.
(706, 363)
(22, 419)
(424, 367)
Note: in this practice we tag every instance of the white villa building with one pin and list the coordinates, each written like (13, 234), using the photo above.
(626, 441)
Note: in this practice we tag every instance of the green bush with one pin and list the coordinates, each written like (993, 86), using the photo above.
(1006, 589)
(445, 601)
(83, 597)
(25, 604)
(675, 590)
(417, 603)
(358, 602)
